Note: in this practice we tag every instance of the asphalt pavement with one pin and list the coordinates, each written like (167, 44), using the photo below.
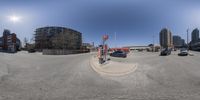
(70, 77)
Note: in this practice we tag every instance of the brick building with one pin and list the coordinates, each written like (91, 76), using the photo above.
(9, 42)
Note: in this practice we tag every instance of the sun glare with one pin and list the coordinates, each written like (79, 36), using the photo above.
(14, 18)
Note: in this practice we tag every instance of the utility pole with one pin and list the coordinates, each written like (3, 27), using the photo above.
(115, 40)
(153, 43)
(187, 39)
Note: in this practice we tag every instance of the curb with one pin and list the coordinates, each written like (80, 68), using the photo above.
(102, 72)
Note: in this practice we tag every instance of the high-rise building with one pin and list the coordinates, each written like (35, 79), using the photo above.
(1, 43)
(183, 42)
(195, 41)
(166, 38)
(195, 35)
(178, 41)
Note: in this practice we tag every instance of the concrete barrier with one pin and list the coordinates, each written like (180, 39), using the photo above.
(62, 52)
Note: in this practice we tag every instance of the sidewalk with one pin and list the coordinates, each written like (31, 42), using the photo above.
(112, 68)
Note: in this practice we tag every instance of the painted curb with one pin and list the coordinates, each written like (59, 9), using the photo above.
(102, 72)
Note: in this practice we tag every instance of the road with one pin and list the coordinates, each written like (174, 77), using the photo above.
(70, 77)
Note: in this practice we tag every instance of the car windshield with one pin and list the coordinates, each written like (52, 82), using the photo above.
(164, 50)
(118, 52)
(183, 49)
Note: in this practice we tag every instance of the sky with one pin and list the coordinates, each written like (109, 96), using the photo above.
(135, 22)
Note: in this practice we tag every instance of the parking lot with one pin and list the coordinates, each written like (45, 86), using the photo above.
(70, 77)
(170, 76)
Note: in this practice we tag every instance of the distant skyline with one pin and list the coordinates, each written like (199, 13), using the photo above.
(135, 22)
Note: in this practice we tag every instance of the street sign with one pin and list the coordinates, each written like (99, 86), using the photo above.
(105, 37)
(102, 50)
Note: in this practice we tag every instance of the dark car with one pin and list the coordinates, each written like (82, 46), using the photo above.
(183, 52)
(119, 54)
(31, 51)
(165, 52)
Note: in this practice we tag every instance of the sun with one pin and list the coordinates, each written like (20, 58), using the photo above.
(14, 18)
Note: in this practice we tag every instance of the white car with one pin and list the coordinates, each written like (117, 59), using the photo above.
(183, 52)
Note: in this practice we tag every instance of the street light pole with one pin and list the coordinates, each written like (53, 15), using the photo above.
(115, 40)
(187, 39)
(153, 43)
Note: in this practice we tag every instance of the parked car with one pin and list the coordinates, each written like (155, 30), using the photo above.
(31, 50)
(119, 54)
(165, 52)
(183, 52)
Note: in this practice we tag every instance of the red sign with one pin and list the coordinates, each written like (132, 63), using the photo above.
(105, 37)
